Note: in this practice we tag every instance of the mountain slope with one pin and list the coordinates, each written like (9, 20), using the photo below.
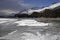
(52, 11)
(53, 6)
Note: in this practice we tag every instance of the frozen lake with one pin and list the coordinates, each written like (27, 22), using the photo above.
(30, 29)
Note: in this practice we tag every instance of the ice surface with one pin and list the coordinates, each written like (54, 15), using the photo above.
(30, 36)
(24, 29)
(31, 23)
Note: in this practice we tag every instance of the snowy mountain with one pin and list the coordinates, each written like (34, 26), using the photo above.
(50, 11)
(53, 6)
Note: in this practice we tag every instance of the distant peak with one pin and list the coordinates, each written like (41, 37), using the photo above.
(54, 5)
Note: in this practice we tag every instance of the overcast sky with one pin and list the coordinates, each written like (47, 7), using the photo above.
(12, 6)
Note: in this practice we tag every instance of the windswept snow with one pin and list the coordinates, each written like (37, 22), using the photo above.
(27, 31)
(31, 36)
(3, 22)
(30, 22)
(12, 32)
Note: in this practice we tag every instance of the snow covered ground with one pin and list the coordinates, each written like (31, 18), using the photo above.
(30, 29)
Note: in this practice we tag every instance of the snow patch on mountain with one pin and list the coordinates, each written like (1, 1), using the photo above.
(30, 11)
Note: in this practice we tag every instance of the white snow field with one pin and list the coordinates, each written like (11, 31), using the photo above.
(29, 29)
(29, 22)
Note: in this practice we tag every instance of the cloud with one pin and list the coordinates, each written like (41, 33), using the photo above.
(10, 6)
(6, 12)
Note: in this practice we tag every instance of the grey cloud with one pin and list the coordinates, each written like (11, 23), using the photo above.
(10, 4)
(14, 5)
